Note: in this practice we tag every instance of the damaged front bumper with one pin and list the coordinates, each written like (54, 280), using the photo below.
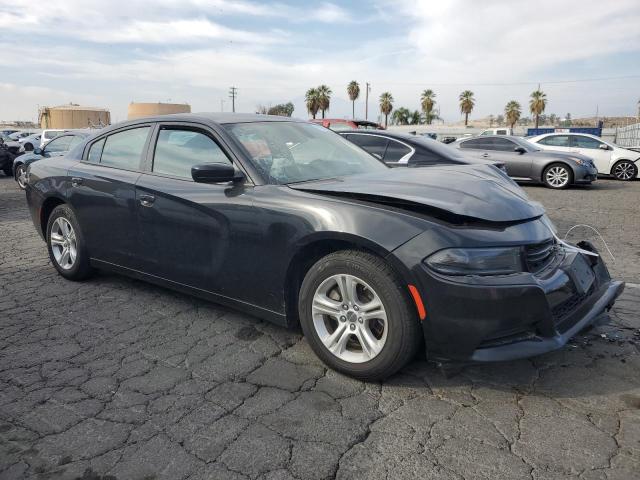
(490, 319)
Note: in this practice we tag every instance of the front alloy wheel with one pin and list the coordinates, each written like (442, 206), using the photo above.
(557, 176)
(625, 170)
(349, 318)
(357, 315)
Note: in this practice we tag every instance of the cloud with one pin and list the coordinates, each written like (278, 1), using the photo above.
(194, 50)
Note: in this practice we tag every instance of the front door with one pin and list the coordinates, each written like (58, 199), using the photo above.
(591, 148)
(185, 230)
(104, 182)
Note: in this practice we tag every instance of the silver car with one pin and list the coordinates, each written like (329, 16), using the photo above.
(526, 162)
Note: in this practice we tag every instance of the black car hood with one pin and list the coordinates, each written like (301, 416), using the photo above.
(469, 192)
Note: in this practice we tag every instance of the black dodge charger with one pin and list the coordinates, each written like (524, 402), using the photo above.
(290, 222)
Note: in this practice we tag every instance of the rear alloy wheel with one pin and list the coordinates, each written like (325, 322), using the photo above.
(21, 176)
(66, 244)
(625, 170)
(557, 176)
(357, 317)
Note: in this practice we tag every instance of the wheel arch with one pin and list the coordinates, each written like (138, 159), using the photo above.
(557, 162)
(313, 249)
(49, 204)
(618, 160)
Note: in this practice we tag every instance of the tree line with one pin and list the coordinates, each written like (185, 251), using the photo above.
(318, 99)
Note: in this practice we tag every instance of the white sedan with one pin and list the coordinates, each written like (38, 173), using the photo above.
(609, 158)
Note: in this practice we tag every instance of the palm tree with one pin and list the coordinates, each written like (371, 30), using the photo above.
(353, 89)
(512, 111)
(400, 116)
(537, 104)
(324, 97)
(427, 101)
(311, 99)
(386, 105)
(415, 118)
(467, 102)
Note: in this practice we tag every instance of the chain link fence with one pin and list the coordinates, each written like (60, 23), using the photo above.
(628, 136)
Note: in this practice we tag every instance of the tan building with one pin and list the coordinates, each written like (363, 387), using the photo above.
(73, 116)
(138, 110)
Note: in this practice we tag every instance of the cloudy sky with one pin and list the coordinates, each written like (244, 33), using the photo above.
(107, 53)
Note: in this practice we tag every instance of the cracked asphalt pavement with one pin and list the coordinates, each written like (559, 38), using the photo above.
(117, 379)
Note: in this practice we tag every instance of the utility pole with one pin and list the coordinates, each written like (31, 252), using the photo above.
(366, 102)
(233, 91)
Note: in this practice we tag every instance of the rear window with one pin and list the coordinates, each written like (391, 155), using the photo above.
(124, 149)
(555, 141)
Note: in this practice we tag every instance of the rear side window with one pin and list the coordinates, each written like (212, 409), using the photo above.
(373, 144)
(75, 140)
(579, 141)
(124, 149)
(555, 141)
(179, 150)
(95, 151)
(479, 143)
(58, 145)
(395, 151)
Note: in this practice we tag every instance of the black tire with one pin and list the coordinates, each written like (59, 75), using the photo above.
(624, 170)
(18, 172)
(404, 334)
(7, 170)
(28, 147)
(81, 268)
(548, 181)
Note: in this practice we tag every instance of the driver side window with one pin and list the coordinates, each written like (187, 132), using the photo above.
(178, 150)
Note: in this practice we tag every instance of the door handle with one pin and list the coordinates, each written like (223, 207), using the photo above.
(147, 200)
(485, 155)
(75, 181)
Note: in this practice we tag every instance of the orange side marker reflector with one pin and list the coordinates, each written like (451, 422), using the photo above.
(422, 313)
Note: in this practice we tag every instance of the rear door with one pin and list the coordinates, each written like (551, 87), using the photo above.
(186, 229)
(102, 193)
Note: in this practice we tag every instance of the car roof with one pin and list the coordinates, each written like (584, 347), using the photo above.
(220, 118)
(383, 133)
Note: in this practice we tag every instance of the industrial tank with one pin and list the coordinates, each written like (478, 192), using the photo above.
(73, 116)
(138, 110)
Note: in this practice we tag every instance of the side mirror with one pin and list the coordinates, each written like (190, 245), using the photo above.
(38, 151)
(520, 150)
(603, 146)
(215, 173)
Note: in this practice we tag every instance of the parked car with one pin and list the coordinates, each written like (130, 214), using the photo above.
(339, 124)
(609, 158)
(30, 142)
(8, 131)
(398, 149)
(55, 148)
(49, 134)
(526, 162)
(16, 136)
(497, 131)
(6, 158)
(290, 222)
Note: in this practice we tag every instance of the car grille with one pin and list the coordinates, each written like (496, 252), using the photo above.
(540, 255)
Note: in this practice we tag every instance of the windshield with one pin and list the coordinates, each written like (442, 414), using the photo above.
(292, 152)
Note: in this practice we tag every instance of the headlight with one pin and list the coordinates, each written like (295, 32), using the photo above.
(476, 261)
